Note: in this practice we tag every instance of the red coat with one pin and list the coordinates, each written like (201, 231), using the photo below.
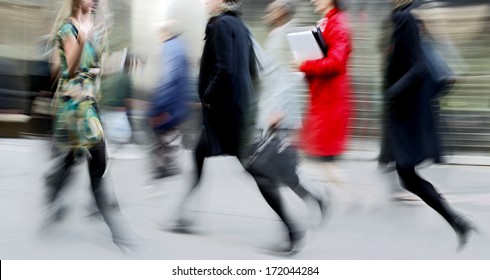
(325, 126)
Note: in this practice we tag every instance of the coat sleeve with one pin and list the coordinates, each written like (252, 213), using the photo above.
(339, 48)
(169, 63)
(407, 53)
(221, 79)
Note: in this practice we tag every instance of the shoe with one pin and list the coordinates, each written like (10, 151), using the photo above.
(183, 226)
(296, 242)
(126, 239)
(54, 214)
(463, 228)
(324, 204)
(60, 214)
(127, 245)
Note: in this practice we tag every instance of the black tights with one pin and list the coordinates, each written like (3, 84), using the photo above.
(412, 182)
(97, 163)
(269, 188)
(268, 184)
(200, 154)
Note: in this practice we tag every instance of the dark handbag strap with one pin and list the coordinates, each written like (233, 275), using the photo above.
(317, 33)
(261, 146)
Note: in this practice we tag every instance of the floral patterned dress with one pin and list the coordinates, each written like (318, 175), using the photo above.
(77, 123)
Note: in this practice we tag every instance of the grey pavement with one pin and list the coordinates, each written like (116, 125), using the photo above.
(234, 222)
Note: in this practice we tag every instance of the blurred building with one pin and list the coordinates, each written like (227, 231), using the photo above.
(466, 23)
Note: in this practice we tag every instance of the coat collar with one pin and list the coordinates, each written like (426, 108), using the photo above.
(212, 20)
(323, 22)
(332, 12)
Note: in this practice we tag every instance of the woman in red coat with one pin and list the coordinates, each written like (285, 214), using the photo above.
(325, 126)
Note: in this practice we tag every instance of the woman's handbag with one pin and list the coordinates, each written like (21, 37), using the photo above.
(275, 150)
(117, 126)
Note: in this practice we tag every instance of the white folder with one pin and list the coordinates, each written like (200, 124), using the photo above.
(304, 46)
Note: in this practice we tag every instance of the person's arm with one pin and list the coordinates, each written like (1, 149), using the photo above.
(406, 41)
(73, 43)
(221, 78)
(170, 61)
(339, 48)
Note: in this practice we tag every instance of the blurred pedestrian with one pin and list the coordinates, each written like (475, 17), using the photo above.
(169, 106)
(225, 90)
(411, 125)
(116, 92)
(279, 112)
(324, 132)
(79, 35)
(386, 164)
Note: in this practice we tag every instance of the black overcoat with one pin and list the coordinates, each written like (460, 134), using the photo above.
(225, 85)
(411, 97)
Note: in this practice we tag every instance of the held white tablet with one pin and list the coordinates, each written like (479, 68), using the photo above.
(304, 46)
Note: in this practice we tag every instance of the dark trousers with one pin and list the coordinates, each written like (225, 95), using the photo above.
(264, 174)
(200, 154)
(268, 181)
(412, 182)
(97, 163)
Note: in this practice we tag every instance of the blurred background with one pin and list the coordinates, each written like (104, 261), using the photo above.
(463, 27)
(370, 225)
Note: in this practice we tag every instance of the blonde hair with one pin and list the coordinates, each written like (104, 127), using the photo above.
(102, 21)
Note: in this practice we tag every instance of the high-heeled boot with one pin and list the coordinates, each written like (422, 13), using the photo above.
(296, 241)
(305, 190)
(463, 228)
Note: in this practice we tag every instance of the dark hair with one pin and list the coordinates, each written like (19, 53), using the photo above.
(340, 4)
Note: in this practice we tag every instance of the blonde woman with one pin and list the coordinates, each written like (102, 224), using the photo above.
(79, 36)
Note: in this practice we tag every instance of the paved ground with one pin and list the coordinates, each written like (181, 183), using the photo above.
(234, 220)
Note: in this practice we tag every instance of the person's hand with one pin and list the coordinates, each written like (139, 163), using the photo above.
(276, 119)
(85, 30)
(295, 65)
(159, 119)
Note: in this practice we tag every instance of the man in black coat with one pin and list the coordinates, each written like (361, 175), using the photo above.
(225, 84)
(225, 87)
(410, 118)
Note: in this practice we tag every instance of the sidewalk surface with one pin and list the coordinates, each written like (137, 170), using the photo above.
(234, 222)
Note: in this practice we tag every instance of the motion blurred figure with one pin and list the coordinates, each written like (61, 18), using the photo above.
(279, 111)
(225, 90)
(386, 164)
(169, 104)
(324, 132)
(411, 126)
(116, 91)
(325, 128)
(79, 50)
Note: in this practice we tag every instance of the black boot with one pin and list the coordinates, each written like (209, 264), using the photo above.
(463, 229)
(296, 241)
(319, 196)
